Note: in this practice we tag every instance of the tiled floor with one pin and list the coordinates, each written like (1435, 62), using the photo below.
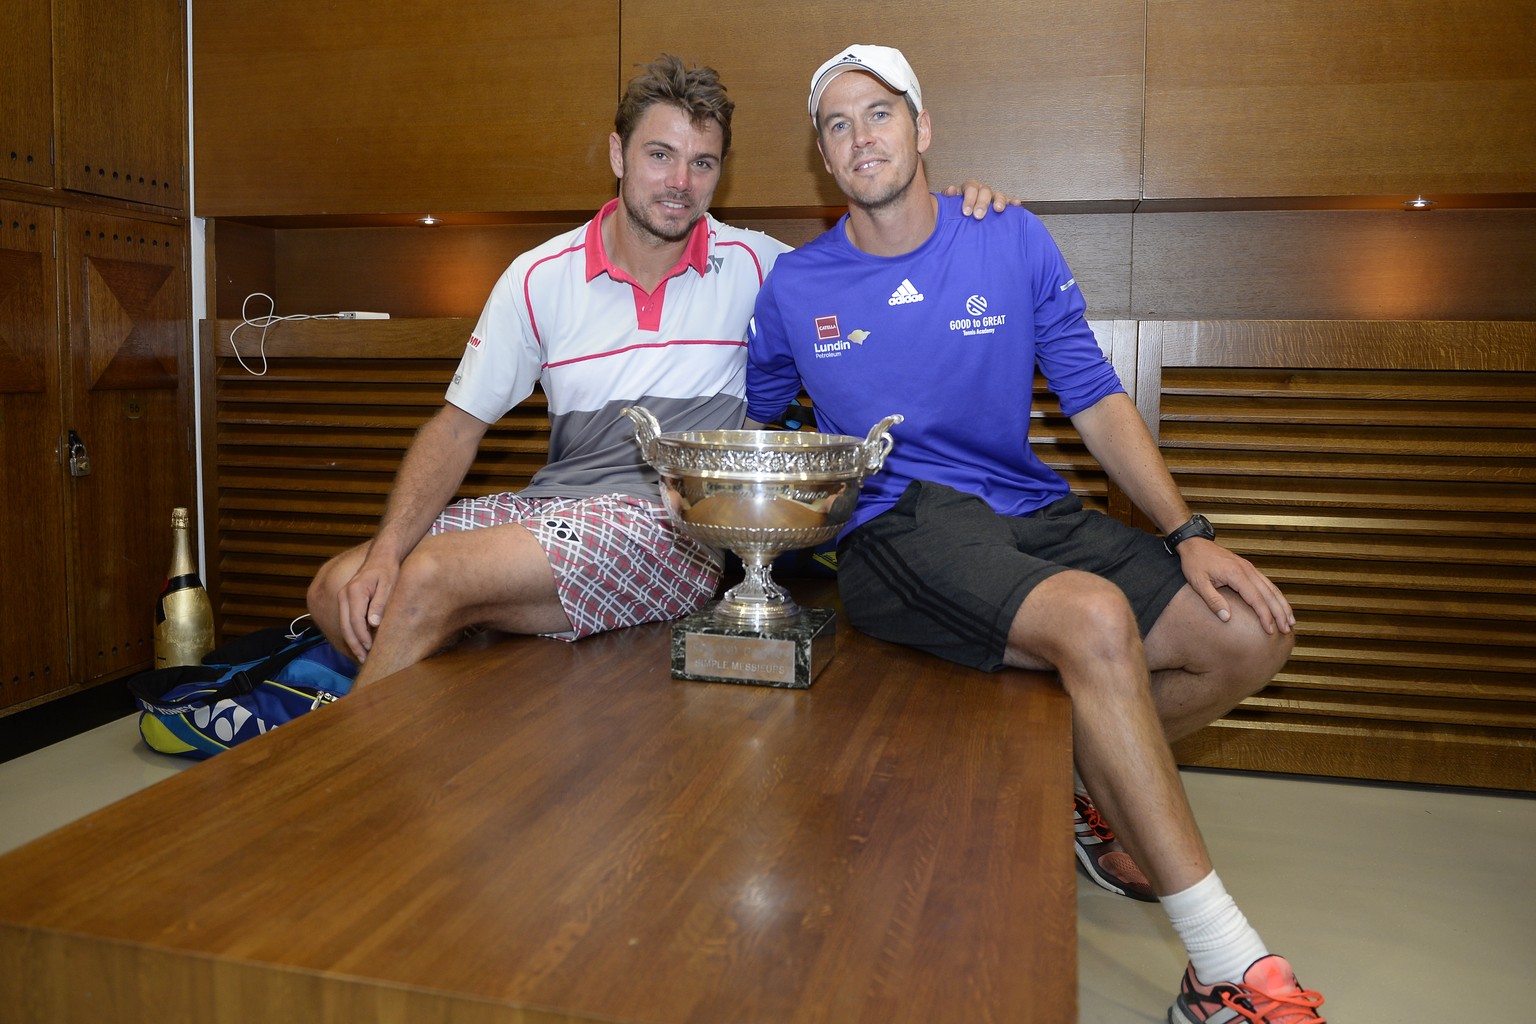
(1399, 904)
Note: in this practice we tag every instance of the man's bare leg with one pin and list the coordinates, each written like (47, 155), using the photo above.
(1203, 667)
(1081, 626)
(498, 577)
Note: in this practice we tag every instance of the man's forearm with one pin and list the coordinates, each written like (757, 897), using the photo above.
(435, 464)
(1119, 439)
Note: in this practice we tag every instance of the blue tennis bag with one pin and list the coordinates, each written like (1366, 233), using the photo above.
(242, 689)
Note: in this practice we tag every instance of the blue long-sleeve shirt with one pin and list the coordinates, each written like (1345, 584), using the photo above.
(949, 336)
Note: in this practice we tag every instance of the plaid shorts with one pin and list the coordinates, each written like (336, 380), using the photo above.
(617, 560)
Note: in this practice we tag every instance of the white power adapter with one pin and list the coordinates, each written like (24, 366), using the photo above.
(357, 314)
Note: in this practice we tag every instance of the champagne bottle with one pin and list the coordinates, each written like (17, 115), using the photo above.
(183, 614)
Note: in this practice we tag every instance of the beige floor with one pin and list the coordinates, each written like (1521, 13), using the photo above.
(1399, 904)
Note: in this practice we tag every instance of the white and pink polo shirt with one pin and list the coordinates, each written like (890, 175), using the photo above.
(564, 316)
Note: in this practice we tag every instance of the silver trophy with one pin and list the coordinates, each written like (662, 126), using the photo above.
(758, 493)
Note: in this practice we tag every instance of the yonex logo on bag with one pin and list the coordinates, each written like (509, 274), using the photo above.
(906, 293)
(227, 718)
(247, 687)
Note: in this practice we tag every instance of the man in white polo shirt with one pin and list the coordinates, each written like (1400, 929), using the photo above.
(646, 304)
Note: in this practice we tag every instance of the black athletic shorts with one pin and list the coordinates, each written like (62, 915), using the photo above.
(942, 572)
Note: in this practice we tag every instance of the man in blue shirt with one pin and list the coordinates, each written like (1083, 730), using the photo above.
(967, 546)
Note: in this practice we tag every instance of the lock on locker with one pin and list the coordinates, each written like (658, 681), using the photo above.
(79, 457)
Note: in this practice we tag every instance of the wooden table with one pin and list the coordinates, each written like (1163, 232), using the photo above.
(530, 831)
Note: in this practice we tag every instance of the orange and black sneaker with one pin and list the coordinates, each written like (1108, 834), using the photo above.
(1102, 857)
(1268, 994)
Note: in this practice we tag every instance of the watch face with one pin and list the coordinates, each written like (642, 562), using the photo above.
(1198, 526)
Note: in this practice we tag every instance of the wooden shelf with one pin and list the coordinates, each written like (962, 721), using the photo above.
(413, 338)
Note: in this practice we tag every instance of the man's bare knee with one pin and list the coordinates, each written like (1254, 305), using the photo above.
(1188, 636)
(1079, 623)
(1259, 656)
(421, 598)
(321, 596)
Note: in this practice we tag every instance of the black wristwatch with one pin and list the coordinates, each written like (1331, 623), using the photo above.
(1198, 526)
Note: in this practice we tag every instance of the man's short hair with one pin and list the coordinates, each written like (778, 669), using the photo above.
(696, 91)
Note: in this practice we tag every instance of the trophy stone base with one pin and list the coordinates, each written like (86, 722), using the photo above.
(788, 654)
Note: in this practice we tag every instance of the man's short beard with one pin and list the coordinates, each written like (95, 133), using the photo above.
(640, 220)
(883, 200)
(886, 198)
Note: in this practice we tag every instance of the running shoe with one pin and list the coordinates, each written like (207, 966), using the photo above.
(1268, 994)
(1102, 857)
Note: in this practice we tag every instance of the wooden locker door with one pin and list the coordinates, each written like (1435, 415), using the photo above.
(123, 99)
(129, 331)
(26, 92)
(33, 627)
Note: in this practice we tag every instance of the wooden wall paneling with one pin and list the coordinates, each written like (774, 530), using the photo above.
(304, 456)
(788, 227)
(1353, 345)
(448, 270)
(1387, 265)
(1048, 108)
(123, 99)
(34, 648)
(383, 109)
(1314, 98)
(242, 261)
(1098, 249)
(128, 316)
(439, 271)
(26, 92)
(1384, 474)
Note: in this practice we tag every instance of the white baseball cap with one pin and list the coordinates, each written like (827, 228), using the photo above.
(884, 62)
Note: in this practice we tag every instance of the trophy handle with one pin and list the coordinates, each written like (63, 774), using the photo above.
(879, 442)
(647, 429)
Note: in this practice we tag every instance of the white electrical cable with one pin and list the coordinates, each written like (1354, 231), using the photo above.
(271, 319)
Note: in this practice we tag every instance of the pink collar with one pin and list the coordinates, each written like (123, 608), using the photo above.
(695, 252)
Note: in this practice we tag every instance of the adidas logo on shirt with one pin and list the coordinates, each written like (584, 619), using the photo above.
(906, 293)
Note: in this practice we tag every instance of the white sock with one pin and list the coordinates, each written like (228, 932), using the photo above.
(1077, 784)
(1220, 941)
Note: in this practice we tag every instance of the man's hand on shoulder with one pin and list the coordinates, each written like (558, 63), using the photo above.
(1208, 566)
(978, 198)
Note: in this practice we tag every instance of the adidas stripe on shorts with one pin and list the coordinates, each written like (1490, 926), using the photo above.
(942, 572)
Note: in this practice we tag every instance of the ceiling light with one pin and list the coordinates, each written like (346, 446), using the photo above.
(428, 220)
(1418, 203)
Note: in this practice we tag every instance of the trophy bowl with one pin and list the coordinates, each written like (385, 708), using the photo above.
(759, 493)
